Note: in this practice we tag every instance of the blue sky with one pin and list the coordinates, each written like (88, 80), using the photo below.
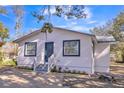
(97, 15)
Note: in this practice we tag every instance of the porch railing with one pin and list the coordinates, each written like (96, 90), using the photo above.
(51, 62)
(35, 64)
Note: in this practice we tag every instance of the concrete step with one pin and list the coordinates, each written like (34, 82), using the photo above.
(41, 68)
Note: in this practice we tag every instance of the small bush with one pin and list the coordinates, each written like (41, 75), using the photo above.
(8, 62)
(59, 69)
(69, 71)
(25, 67)
(54, 69)
(64, 71)
(79, 72)
(84, 73)
(74, 71)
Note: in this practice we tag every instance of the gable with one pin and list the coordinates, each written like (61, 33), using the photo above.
(33, 34)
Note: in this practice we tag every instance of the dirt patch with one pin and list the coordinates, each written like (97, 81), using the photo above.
(84, 81)
(17, 78)
(91, 82)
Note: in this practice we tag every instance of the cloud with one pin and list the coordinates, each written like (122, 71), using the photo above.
(33, 29)
(80, 28)
(91, 21)
(62, 26)
(75, 26)
(88, 12)
(52, 10)
(88, 19)
(73, 23)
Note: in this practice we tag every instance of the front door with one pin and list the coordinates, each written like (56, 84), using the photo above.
(49, 47)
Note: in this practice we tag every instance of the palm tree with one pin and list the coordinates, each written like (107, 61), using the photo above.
(47, 26)
(75, 11)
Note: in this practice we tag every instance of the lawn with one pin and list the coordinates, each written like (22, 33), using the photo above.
(116, 69)
(21, 78)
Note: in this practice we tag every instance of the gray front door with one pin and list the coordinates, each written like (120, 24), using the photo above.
(49, 47)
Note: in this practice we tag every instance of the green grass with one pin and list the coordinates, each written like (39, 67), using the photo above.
(7, 62)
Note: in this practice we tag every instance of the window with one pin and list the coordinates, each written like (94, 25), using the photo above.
(30, 48)
(71, 48)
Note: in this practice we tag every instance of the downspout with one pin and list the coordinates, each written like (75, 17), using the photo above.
(93, 58)
(93, 39)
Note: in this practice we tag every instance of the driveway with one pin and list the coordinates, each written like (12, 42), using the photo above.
(18, 78)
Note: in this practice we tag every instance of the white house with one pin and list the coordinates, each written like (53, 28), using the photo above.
(70, 50)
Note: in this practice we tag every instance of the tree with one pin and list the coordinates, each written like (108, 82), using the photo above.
(118, 33)
(70, 12)
(19, 12)
(4, 33)
(74, 11)
(103, 30)
(116, 29)
(2, 10)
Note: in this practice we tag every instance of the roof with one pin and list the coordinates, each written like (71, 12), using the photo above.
(102, 39)
(39, 31)
(99, 39)
(9, 47)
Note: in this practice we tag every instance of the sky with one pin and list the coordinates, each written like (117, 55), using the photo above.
(96, 16)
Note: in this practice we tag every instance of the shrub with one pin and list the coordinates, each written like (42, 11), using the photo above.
(25, 67)
(69, 71)
(79, 72)
(74, 71)
(54, 69)
(64, 71)
(8, 62)
(59, 69)
(84, 73)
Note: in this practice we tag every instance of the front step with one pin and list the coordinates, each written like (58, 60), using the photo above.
(41, 68)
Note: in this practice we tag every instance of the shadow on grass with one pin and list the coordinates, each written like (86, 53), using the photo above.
(76, 82)
(14, 78)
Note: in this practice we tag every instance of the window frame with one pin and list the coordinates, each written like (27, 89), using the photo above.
(71, 41)
(25, 49)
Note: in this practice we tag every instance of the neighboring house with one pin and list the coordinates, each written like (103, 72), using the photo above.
(9, 50)
(64, 48)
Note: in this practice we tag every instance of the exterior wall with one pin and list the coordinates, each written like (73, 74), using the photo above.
(102, 59)
(28, 61)
(80, 63)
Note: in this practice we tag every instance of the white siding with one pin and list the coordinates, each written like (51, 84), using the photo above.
(102, 59)
(82, 62)
(28, 61)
